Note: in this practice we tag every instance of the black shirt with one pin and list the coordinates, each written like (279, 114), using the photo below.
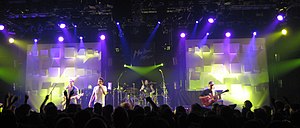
(206, 92)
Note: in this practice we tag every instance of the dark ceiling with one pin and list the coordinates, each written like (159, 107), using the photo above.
(37, 16)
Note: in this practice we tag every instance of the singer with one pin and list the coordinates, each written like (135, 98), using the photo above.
(98, 94)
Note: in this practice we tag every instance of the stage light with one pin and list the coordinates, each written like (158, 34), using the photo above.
(80, 37)
(118, 23)
(62, 25)
(207, 33)
(211, 20)
(167, 47)
(60, 39)
(182, 35)
(90, 86)
(197, 21)
(160, 65)
(11, 40)
(227, 34)
(35, 40)
(102, 37)
(117, 49)
(75, 26)
(158, 22)
(1, 27)
(283, 31)
(125, 66)
(254, 33)
(280, 17)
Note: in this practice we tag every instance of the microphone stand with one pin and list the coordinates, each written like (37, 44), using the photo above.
(165, 91)
(118, 88)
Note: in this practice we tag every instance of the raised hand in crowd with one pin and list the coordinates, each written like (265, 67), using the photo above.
(43, 104)
(26, 99)
(154, 106)
(9, 101)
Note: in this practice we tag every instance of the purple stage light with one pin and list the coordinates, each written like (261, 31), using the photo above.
(254, 33)
(182, 35)
(197, 21)
(75, 26)
(60, 39)
(279, 17)
(62, 25)
(118, 23)
(158, 22)
(207, 33)
(1, 27)
(211, 20)
(80, 37)
(35, 40)
(227, 34)
(102, 37)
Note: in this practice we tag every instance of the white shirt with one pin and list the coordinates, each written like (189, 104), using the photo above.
(99, 95)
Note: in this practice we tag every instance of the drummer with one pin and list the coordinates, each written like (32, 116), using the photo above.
(147, 89)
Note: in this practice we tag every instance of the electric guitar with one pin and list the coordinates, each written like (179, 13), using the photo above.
(210, 99)
(63, 102)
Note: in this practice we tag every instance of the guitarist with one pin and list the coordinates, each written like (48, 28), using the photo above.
(71, 93)
(207, 97)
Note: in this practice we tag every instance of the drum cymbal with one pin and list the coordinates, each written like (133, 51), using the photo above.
(131, 90)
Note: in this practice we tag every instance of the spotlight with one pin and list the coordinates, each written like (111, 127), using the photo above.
(75, 26)
(62, 25)
(207, 33)
(102, 37)
(254, 33)
(125, 66)
(118, 23)
(80, 37)
(283, 31)
(211, 20)
(90, 87)
(280, 17)
(11, 40)
(1, 27)
(35, 40)
(117, 49)
(158, 22)
(167, 47)
(182, 35)
(197, 21)
(227, 34)
(60, 39)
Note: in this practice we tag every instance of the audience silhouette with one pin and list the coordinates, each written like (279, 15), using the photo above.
(279, 114)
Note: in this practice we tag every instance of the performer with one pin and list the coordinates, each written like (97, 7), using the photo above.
(98, 94)
(147, 89)
(72, 92)
(207, 97)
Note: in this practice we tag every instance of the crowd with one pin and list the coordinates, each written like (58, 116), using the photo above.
(278, 114)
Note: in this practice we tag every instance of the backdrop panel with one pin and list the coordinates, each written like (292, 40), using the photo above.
(239, 65)
(51, 66)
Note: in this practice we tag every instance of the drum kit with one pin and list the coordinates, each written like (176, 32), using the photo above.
(133, 95)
